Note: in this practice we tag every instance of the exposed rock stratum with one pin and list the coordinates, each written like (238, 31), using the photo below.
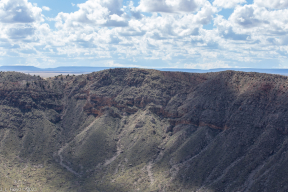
(144, 130)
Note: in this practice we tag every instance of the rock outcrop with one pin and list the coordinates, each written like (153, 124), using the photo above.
(144, 130)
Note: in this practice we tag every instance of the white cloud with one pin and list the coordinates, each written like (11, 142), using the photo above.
(259, 21)
(135, 12)
(113, 34)
(168, 6)
(93, 12)
(20, 32)
(248, 16)
(228, 4)
(210, 65)
(46, 8)
(226, 30)
(205, 15)
(111, 63)
(117, 18)
(19, 11)
(73, 4)
(272, 4)
(19, 20)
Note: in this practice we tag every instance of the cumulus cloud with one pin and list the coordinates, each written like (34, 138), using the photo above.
(134, 11)
(94, 12)
(168, 6)
(272, 4)
(228, 4)
(46, 8)
(19, 20)
(226, 30)
(21, 32)
(247, 16)
(174, 33)
(259, 20)
(111, 63)
(207, 65)
(19, 11)
(205, 15)
(229, 33)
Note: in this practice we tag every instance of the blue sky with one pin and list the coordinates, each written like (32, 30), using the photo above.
(200, 34)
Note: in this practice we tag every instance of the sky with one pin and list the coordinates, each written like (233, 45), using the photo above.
(196, 34)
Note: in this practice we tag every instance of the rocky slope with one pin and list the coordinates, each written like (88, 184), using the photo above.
(144, 130)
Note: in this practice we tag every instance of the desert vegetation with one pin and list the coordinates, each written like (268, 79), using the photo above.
(144, 130)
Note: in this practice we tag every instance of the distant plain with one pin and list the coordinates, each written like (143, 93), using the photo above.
(76, 70)
(50, 74)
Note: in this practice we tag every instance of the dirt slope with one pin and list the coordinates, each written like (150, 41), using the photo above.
(144, 130)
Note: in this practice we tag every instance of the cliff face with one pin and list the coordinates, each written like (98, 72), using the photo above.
(144, 130)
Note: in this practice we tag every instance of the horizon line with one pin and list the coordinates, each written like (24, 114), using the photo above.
(136, 67)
